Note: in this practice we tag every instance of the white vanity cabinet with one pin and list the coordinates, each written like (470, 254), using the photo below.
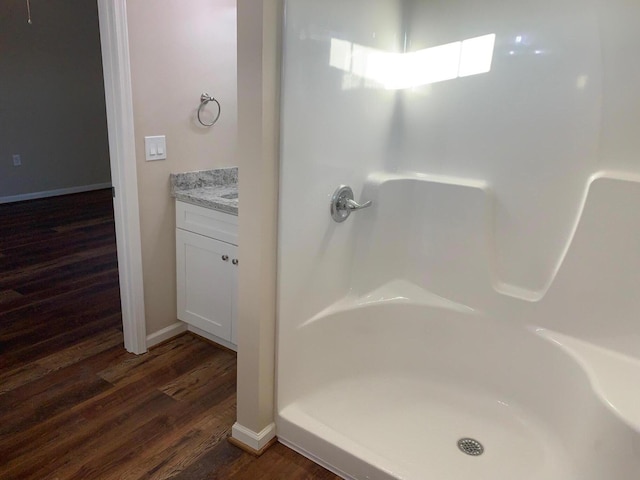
(207, 269)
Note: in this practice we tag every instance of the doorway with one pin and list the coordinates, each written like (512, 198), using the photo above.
(113, 88)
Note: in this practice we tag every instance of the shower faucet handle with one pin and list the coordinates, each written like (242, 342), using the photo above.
(353, 205)
(342, 203)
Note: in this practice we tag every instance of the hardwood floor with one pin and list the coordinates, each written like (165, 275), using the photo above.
(73, 403)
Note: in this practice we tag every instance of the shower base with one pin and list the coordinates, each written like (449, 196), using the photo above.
(402, 384)
(409, 429)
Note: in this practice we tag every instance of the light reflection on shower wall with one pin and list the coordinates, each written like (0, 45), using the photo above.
(395, 71)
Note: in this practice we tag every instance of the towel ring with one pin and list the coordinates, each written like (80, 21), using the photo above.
(204, 99)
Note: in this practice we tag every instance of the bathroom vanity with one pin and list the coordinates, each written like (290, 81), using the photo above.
(207, 252)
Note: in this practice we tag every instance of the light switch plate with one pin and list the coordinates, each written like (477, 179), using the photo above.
(155, 148)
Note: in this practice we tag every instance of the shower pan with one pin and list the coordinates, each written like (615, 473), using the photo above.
(468, 308)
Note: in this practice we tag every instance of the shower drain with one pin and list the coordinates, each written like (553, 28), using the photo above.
(470, 447)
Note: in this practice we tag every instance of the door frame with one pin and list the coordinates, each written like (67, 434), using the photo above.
(114, 40)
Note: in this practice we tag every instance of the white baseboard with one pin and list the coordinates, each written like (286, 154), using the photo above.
(54, 193)
(166, 334)
(256, 441)
(213, 338)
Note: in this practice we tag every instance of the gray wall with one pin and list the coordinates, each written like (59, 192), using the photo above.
(52, 108)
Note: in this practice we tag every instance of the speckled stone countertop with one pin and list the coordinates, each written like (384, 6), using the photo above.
(215, 189)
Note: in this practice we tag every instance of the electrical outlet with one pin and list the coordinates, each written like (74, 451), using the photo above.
(17, 160)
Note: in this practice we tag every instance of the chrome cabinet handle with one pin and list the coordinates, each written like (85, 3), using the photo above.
(342, 204)
(225, 258)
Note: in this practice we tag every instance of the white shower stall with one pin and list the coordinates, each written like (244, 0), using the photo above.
(481, 318)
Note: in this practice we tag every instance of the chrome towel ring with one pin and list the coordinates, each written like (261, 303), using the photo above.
(204, 99)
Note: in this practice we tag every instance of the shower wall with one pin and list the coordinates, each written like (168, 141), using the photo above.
(499, 144)
(335, 131)
(529, 127)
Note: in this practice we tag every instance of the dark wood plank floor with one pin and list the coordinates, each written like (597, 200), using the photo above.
(73, 403)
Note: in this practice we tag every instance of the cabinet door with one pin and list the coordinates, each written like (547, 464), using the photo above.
(204, 279)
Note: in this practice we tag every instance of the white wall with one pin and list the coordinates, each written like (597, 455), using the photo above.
(178, 51)
(52, 98)
(259, 50)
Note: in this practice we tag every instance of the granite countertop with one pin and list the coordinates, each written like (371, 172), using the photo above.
(215, 189)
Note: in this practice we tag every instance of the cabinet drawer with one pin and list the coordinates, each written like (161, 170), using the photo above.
(204, 221)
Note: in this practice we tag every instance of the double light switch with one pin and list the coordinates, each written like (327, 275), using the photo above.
(155, 148)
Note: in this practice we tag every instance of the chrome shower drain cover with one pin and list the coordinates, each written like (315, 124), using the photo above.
(470, 447)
